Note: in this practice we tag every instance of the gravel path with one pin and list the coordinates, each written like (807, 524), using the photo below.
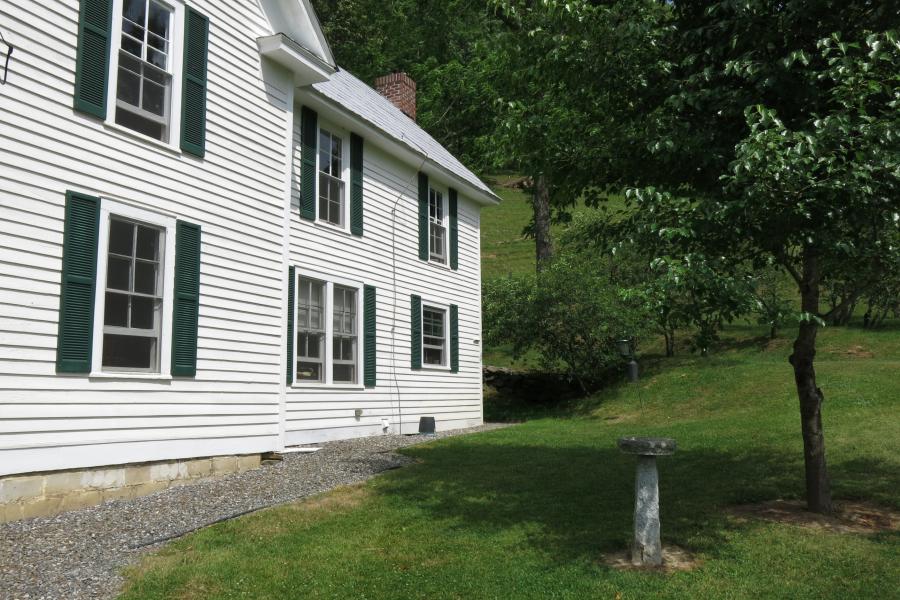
(80, 554)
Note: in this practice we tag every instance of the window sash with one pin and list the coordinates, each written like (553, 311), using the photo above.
(303, 357)
(155, 332)
(437, 229)
(331, 160)
(437, 245)
(144, 40)
(314, 300)
(125, 72)
(434, 334)
(331, 199)
(343, 308)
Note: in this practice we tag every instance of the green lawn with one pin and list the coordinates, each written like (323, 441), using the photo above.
(526, 512)
(504, 249)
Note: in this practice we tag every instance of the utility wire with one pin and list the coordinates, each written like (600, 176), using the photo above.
(407, 188)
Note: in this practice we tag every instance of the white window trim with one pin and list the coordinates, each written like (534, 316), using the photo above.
(167, 223)
(330, 281)
(176, 56)
(446, 308)
(344, 135)
(445, 221)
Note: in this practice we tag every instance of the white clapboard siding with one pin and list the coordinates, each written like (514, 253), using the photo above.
(237, 403)
(236, 193)
(386, 256)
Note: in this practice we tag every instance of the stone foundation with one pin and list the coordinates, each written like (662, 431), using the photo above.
(48, 494)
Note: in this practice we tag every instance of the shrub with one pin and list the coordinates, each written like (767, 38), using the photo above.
(570, 313)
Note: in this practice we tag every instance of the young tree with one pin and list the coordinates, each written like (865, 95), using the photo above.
(552, 125)
(773, 307)
(822, 191)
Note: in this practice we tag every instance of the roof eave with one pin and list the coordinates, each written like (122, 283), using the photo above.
(306, 66)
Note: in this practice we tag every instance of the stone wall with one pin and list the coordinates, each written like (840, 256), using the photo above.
(531, 386)
(48, 494)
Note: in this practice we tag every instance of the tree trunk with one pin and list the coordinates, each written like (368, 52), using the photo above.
(540, 202)
(773, 332)
(818, 488)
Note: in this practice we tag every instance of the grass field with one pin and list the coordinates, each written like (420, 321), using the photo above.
(504, 250)
(526, 512)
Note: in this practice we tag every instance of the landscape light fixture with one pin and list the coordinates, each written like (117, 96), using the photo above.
(626, 349)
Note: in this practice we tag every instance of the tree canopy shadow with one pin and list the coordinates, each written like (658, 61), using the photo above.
(575, 501)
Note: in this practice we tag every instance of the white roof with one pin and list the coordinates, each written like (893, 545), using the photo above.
(357, 97)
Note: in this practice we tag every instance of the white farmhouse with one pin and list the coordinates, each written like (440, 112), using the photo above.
(215, 243)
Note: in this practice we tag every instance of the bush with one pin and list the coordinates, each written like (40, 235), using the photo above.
(570, 313)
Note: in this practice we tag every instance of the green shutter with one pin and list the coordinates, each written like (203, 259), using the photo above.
(92, 57)
(187, 300)
(416, 331)
(193, 92)
(309, 125)
(356, 184)
(454, 232)
(79, 276)
(454, 338)
(292, 277)
(369, 377)
(423, 216)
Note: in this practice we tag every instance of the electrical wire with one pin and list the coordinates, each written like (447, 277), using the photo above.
(8, 55)
(407, 188)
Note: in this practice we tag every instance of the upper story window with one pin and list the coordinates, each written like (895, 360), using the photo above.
(145, 75)
(331, 183)
(437, 227)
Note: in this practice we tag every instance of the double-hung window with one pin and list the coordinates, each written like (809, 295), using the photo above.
(135, 291)
(437, 228)
(331, 183)
(144, 76)
(132, 318)
(434, 336)
(129, 304)
(328, 325)
(311, 331)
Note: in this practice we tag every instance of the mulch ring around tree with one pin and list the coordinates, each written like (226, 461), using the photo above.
(675, 559)
(848, 517)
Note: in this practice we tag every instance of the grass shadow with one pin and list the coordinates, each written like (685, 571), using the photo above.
(576, 501)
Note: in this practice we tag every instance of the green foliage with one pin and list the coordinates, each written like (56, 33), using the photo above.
(452, 65)
(570, 313)
(773, 305)
(696, 292)
(570, 76)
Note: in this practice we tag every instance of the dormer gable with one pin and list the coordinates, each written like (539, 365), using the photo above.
(297, 41)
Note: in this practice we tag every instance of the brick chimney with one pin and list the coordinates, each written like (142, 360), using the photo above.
(400, 89)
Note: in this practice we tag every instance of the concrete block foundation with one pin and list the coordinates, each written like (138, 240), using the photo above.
(52, 493)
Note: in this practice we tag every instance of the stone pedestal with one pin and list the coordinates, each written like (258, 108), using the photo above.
(646, 549)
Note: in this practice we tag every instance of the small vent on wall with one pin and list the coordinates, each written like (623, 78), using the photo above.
(426, 425)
